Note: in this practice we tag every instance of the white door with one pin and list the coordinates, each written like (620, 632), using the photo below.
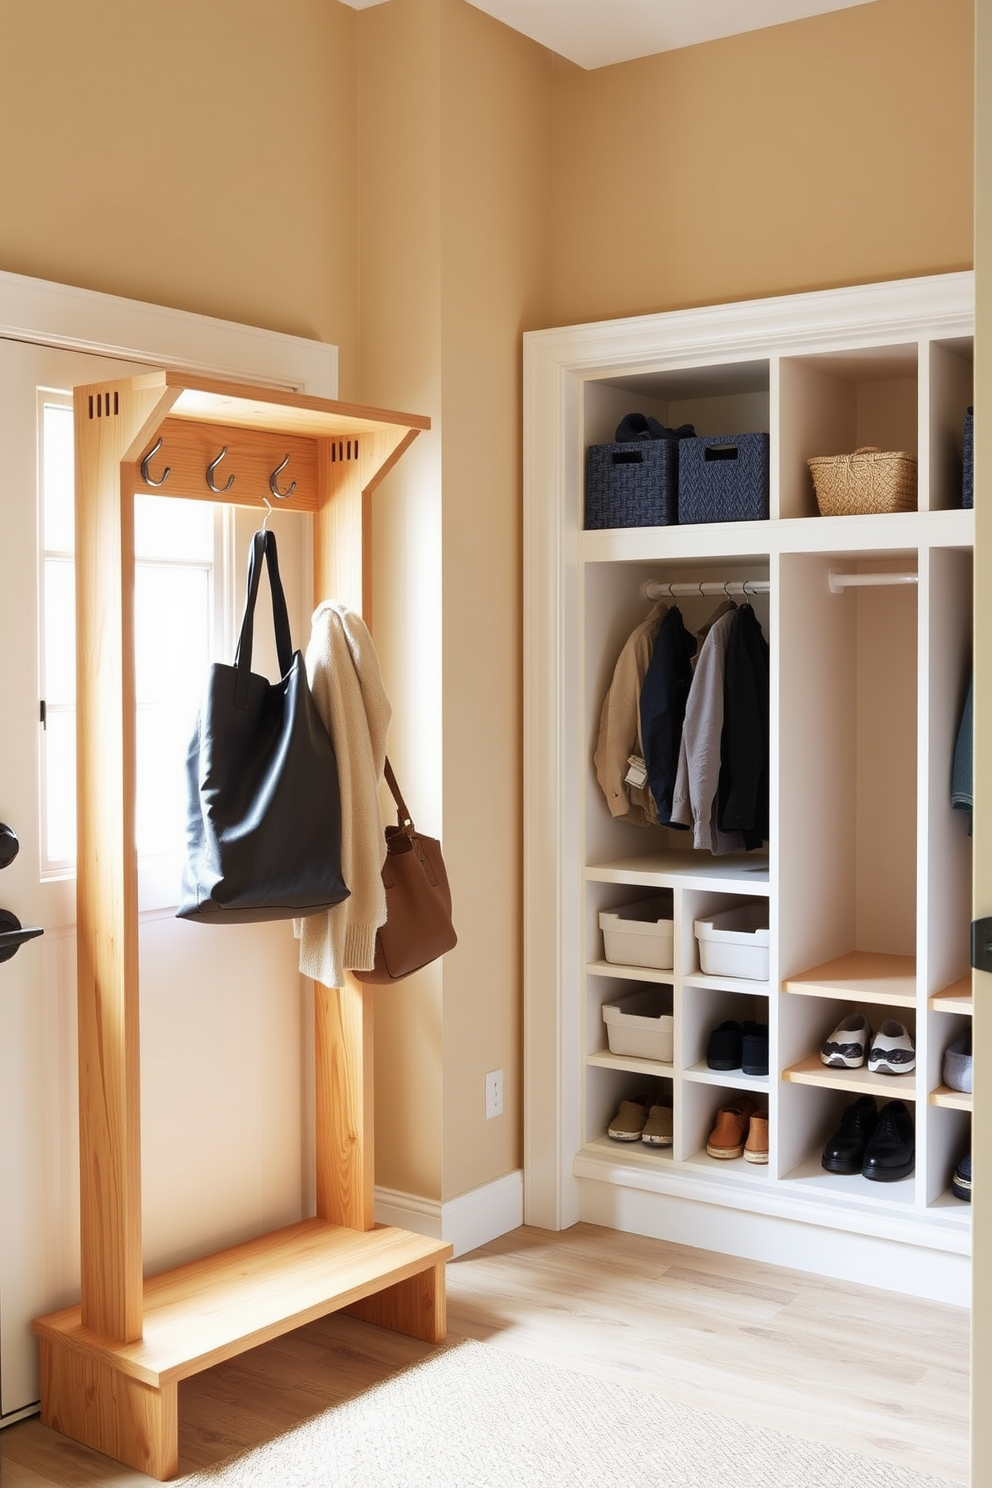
(223, 1150)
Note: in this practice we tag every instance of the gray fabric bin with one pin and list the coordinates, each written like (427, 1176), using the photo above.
(723, 478)
(632, 485)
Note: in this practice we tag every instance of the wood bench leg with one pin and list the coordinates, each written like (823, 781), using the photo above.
(94, 1403)
(416, 1306)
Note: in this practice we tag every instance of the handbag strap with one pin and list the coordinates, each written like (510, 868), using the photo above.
(263, 544)
(403, 817)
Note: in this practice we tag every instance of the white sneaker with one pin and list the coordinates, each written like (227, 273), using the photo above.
(892, 1051)
(848, 1044)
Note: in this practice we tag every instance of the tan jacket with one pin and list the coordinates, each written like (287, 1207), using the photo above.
(620, 725)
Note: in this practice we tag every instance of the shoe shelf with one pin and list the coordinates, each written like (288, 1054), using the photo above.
(956, 998)
(736, 1168)
(653, 1068)
(746, 985)
(625, 1153)
(630, 973)
(851, 1187)
(951, 1100)
(813, 1071)
(701, 1074)
(860, 976)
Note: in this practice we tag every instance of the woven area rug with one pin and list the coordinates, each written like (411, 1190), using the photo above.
(472, 1416)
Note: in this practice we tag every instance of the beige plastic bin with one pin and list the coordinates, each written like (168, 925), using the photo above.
(641, 1024)
(640, 934)
(734, 943)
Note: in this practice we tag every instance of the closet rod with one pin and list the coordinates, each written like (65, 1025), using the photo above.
(655, 589)
(841, 581)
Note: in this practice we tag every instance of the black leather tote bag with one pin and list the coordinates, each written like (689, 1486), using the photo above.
(263, 836)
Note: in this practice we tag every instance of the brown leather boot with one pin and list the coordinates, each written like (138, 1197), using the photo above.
(726, 1140)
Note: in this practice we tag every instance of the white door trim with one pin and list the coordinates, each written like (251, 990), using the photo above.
(72, 319)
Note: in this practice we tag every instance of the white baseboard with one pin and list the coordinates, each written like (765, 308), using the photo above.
(870, 1260)
(467, 1221)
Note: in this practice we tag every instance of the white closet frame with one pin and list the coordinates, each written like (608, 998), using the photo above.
(820, 372)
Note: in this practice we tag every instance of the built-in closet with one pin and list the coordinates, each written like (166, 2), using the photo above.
(111, 1365)
(867, 870)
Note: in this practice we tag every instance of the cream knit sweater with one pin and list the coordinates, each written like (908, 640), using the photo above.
(343, 671)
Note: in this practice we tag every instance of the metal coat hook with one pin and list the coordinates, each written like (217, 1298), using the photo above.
(218, 490)
(145, 475)
(274, 482)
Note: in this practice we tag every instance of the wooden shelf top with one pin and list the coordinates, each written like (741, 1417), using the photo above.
(953, 1100)
(956, 998)
(214, 1308)
(813, 1071)
(860, 976)
(249, 407)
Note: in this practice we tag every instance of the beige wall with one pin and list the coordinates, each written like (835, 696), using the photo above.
(495, 153)
(830, 151)
(419, 184)
(200, 154)
(400, 230)
(455, 138)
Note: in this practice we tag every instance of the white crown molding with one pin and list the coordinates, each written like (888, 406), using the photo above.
(61, 315)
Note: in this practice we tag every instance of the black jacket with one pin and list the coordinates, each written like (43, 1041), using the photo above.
(743, 791)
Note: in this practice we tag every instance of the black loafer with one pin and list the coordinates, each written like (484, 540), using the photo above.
(724, 1049)
(890, 1153)
(845, 1151)
(754, 1049)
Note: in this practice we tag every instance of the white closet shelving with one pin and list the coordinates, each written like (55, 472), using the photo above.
(868, 869)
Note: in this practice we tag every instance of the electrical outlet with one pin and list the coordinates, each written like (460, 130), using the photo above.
(494, 1093)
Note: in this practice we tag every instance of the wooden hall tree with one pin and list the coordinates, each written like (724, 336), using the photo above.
(110, 1366)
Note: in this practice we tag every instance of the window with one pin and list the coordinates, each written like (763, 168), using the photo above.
(178, 626)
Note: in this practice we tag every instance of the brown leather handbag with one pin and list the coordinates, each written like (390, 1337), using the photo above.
(418, 925)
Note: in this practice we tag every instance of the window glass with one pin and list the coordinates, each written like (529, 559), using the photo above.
(176, 544)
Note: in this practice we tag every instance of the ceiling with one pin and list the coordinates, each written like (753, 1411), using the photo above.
(595, 33)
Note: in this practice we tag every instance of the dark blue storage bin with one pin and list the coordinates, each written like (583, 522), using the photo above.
(723, 478)
(968, 472)
(632, 485)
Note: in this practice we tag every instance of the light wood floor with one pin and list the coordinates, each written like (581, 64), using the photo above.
(860, 1369)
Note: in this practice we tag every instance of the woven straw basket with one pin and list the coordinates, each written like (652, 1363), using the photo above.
(870, 480)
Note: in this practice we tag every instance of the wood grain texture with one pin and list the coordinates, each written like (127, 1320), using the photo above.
(90, 1401)
(110, 419)
(218, 1306)
(343, 1054)
(830, 1362)
(863, 1081)
(252, 407)
(415, 1307)
(189, 447)
(861, 976)
(111, 1363)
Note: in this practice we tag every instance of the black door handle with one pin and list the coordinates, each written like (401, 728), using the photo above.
(8, 844)
(12, 935)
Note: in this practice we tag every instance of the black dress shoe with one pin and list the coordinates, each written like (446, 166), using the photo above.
(890, 1151)
(845, 1151)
